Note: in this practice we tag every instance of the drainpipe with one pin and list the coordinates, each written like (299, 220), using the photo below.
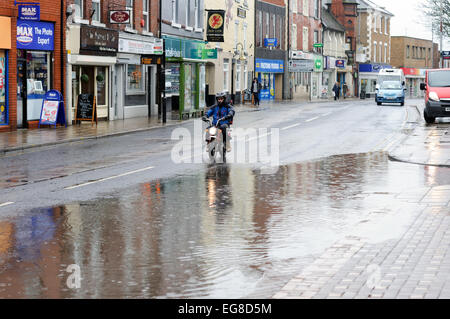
(62, 26)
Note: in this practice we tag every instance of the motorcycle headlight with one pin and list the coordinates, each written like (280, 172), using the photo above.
(433, 96)
(213, 131)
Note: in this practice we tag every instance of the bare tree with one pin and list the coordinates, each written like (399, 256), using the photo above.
(437, 12)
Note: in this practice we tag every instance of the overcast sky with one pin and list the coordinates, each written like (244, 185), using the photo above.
(409, 20)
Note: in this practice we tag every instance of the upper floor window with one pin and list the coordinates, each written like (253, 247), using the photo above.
(175, 8)
(96, 9)
(79, 9)
(316, 9)
(130, 7)
(146, 15)
(306, 8)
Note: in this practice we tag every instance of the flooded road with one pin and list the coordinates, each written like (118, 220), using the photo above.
(221, 232)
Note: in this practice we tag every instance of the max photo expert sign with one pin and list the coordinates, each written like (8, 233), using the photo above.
(33, 35)
(216, 22)
(52, 112)
(31, 12)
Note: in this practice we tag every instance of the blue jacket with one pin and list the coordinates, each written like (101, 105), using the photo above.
(219, 112)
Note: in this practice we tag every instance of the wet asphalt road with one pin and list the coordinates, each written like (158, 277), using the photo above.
(139, 225)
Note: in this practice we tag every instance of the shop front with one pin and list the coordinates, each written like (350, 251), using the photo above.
(90, 66)
(5, 47)
(136, 83)
(270, 74)
(368, 77)
(413, 79)
(316, 77)
(185, 74)
(35, 46)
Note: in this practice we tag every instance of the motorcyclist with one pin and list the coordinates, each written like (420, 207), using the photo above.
(223, 113)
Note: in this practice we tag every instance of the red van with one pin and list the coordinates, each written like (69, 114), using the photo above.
(437, 94)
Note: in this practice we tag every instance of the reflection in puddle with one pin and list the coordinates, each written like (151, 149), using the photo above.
(226, 232)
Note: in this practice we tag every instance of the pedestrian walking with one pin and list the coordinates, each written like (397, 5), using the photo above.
(345, 90)
(336, 90)
(256, 90)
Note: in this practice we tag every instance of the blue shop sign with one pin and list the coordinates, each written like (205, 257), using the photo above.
(30, 12)
(35, 35)
(270, 42)
(373, 68)
(269, 66)
(340, 64)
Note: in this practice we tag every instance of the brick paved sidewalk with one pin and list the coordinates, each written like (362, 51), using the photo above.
(414, 265)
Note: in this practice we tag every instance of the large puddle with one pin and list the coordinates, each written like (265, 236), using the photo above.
(223, 232)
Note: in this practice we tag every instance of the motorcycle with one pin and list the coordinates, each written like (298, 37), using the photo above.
(214, 140)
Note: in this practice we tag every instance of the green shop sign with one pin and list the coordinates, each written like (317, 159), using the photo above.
(209, 54)
(318, 64)
(182, 48)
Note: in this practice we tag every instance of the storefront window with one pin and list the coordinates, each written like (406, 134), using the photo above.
(135, 79)
(202, 86)
(101, 85)
(173, 79)
(189, 86)
(3, 88)
(38, 70)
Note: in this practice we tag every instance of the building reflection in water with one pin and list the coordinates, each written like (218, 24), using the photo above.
(215, 233)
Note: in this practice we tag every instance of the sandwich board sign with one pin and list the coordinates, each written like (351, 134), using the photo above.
(86, 109)
(52, 111)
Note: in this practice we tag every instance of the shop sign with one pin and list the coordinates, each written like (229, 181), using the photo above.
(52, 111)
(340, 64)
(119, 17)
(99, 40)
(140, 47)
(301, 65)
(35, 35)
(209, 54)
(151, 59)
(445, 55)
(318, 64)
(302, 55)
(269, 66)
(215, 27)
(373, 68)
(271, 42)
(30, 12)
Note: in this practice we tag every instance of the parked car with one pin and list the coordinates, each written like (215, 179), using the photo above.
(391, 92)
(437, 94)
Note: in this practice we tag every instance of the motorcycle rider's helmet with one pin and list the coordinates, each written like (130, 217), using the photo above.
(222, 95)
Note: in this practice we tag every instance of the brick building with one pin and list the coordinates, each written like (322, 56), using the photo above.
(373, 51)
(414, 56)
(306, 61)
(107, 41)
(346, 13)
(270, 59)
(30, 62)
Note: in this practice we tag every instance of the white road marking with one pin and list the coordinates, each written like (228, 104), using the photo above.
(329, 113)
(289, 127)
(6, 204)
(313, 119)
(109, 178)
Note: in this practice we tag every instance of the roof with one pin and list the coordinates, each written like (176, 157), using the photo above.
(330, 22)
(367, 4)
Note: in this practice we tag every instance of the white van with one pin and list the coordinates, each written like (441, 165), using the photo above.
(391, 75)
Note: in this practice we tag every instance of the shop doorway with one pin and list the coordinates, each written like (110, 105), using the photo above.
(91, 80)
(33, 81)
